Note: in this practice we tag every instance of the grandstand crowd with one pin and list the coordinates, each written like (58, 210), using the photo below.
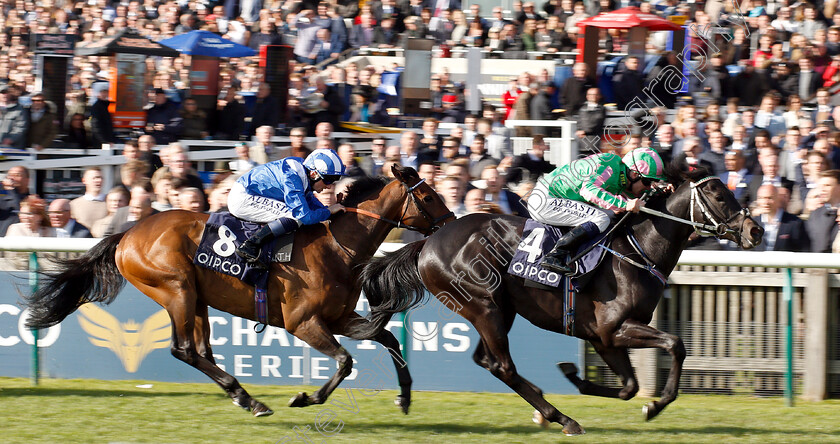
(760, 111)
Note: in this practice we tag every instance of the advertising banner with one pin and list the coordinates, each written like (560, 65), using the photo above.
(53, 44)
(127, 92)
(130, 339)
(204, 76)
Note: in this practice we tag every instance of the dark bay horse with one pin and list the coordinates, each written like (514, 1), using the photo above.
(313, 297)
(465, 266)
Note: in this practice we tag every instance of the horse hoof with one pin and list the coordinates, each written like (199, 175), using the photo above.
(403, 403)
(568, 368)
(573, 429)
(650, 411)
(240, 405)
(261, 409)
(301, 400)
(540, 420)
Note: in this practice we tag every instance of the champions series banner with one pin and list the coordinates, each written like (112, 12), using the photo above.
(130, 339)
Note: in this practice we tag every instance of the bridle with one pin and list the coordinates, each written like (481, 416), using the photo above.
(716, 229)
(435, 223)
(697, 200)
(709, 225)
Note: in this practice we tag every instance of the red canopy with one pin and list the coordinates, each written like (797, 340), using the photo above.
(630, 17)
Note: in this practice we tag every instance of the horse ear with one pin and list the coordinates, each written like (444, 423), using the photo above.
(339, 198)
(398, 172)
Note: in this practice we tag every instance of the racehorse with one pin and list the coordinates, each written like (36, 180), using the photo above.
(464, 265)
(312, 297)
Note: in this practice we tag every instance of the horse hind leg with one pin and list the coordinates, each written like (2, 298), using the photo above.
(181, 305)
(389, 341)
(634, 334)
(201, 333)
(485, 360)
(618, 361)
(495, 345)
(315, 333)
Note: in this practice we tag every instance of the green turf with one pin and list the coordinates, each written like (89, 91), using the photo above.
(88, 411)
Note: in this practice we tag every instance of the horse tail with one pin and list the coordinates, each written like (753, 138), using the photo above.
(93, 277)
(391, 284)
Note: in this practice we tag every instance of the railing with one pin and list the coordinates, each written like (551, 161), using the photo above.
(756, 323)
(562, 149)
(761, 323)
(457, 52)
(62, 162)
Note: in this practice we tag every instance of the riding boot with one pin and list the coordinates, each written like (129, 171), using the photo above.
(556, 259)
(251, 248)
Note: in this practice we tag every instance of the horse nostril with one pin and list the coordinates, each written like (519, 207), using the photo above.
(756, 232)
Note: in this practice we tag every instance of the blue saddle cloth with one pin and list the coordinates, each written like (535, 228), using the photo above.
(223, 233)
(537, 240)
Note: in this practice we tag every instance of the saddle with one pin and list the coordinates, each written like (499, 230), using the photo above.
(223, 232)
(537, 240)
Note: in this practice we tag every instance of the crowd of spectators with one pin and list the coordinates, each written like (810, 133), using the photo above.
(759, 110)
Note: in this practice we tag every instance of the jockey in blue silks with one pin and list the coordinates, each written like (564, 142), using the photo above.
(280, 193)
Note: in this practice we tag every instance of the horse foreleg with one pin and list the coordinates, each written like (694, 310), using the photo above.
(634, 334)
(619, 362)
(315, 333)
(389, 341)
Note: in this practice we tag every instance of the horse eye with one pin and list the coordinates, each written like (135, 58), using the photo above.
(719, 197)
(428, 199)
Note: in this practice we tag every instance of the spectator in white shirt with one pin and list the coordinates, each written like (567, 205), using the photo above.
(65, 226)
(91, 207)
(243, 162)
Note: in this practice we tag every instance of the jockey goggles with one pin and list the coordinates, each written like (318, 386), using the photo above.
(328, 179)
(646, 181)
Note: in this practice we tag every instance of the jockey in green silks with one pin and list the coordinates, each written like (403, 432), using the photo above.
(586, 193)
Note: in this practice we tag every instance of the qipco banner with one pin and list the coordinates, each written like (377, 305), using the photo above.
(130, 339)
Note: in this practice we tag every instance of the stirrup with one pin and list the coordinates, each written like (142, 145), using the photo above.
(552, 263)
(252, 260)
(258, 264)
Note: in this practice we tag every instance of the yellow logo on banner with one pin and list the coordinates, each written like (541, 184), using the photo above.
(131, 342)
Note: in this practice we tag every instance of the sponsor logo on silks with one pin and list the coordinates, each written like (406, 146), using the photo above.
(130, 341)
(622, 179)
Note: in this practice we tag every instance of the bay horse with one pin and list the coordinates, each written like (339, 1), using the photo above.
(465, 266)
(313, 296)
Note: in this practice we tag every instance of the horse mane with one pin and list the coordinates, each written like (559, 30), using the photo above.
(678, 172)
(360, 189)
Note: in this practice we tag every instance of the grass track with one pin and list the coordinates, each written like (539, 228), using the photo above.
(90, 411)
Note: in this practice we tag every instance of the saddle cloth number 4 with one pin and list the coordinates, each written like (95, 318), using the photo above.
(225, 246)
(532, 244)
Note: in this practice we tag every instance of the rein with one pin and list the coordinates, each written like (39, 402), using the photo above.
(716, 229)
(697, 200)
(399, 223)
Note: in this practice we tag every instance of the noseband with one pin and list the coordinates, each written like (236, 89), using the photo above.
(716, 229)
(434, 222)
